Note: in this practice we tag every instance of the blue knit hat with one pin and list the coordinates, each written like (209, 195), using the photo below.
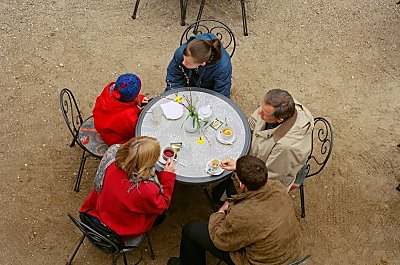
(127, 87)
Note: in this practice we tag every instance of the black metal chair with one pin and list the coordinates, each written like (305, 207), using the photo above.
(216, 27)
(321, 149)
(116, 246)
(83, 132)
(183, 4)
(244, 17)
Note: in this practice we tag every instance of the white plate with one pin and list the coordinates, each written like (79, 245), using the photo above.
(214, 173)
(222, 141)
(172, 110)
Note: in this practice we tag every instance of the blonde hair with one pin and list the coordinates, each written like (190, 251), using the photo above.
(138, 156)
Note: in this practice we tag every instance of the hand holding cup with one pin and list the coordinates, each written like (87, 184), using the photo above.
(228, 164)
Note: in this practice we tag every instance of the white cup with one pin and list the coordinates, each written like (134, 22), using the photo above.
(226, 133)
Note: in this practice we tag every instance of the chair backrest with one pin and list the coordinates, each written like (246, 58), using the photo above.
(321, 147)
(300, 260)
(70, 111)
(216, 27)
(103, 242)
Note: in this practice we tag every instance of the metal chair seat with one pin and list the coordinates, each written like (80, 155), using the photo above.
(134, 241)
(91, 139)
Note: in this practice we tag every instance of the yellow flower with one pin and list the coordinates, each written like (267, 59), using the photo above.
(178, 99)
(200, 140)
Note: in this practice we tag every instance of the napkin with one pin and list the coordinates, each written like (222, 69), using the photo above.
(172, 110)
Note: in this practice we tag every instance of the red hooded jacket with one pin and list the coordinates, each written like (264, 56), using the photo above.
(114, 120)
(133, 213)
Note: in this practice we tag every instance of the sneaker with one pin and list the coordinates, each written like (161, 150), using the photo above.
(173, 261)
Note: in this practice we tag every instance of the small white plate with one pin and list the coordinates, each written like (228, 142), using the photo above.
(215, 172)
(172, 110)
(222, 141)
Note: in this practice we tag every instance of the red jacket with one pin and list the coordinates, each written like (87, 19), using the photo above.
(129, 214)
(115, 120)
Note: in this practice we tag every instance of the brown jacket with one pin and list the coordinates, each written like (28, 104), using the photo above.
(260, 227)
(283, 155)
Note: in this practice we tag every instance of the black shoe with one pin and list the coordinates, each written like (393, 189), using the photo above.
(173, 261)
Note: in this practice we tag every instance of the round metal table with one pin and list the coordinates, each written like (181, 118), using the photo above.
(193, 155)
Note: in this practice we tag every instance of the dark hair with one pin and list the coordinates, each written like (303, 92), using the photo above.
(283, 103)
(208, 51)
(252, 172)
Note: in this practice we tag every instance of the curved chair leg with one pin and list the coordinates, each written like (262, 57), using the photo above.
(76, 250)
(152, 255)
(303, 207)
(80, 172)
(136, 8)
(244, 17)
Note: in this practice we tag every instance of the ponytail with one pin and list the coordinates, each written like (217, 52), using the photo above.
(216, 51)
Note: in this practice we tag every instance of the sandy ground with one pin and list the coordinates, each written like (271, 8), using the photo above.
(339, 58)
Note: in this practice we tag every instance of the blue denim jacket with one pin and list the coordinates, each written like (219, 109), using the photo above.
(216, 76)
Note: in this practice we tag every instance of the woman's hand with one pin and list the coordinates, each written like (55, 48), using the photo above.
(170, 166)
(228, 164)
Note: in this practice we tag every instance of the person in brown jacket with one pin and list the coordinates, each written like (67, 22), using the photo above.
(257, 226)
(282, 129)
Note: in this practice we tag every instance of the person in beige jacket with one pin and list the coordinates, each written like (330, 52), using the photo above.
(282, 129)
(257, 226)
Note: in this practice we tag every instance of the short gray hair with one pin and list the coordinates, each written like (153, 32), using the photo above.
(283, 103)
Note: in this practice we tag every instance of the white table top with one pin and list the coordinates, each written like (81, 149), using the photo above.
(192, 154)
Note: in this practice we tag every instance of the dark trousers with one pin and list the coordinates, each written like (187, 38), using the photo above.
(226, 185)
(195, 242)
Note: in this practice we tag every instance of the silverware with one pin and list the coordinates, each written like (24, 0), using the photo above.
(180, 163)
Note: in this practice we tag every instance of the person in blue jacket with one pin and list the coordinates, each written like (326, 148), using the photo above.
(205, 62)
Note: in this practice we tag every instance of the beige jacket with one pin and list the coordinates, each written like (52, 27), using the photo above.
(260, 227)
(285, 156)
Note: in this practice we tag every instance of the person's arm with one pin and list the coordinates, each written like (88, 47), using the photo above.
(281, 162)
(228, 232)
(175, 77)
(223, 81)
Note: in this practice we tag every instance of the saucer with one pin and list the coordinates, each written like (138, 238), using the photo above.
(214, 173)
(222, 141)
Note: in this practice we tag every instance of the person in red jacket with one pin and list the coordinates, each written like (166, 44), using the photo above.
(117, 109)
(128, 195)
